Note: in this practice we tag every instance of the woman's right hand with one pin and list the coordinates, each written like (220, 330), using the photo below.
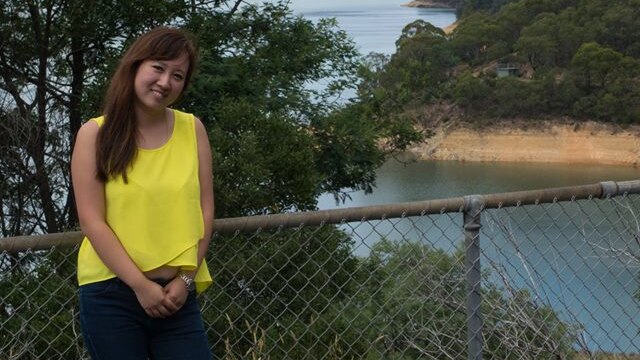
(151, 297)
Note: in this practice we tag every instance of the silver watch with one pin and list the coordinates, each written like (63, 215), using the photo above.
(188, 281)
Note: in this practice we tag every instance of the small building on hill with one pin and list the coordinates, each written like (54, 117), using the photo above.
(507, 69)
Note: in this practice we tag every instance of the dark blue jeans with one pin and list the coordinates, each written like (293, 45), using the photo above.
(115, 326)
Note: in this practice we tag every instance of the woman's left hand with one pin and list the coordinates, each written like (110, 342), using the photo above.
(175, 295)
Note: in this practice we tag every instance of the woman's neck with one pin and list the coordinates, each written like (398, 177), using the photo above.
(154, 130)
(148, 117)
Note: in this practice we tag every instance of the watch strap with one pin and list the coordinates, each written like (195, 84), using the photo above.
(188, 280)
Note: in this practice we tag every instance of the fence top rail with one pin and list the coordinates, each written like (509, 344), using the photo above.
(378, 212)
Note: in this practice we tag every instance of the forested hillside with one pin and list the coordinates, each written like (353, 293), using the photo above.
(576, 58)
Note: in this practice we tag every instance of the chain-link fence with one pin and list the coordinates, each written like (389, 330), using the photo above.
(549, 274)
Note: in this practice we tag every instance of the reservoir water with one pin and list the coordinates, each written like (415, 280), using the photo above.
(604, 305)
(373, 25)
(422, 180)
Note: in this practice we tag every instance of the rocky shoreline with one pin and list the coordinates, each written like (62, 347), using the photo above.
(428, 4)
(546, 142)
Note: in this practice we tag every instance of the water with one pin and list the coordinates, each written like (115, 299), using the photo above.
(423, 180)
(373, 25)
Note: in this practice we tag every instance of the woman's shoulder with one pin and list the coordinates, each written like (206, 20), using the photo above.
(91, 126)
(187, 118)
(87, 134)
(183, 116)
(194, 123)
(89, 130)
(94, 121)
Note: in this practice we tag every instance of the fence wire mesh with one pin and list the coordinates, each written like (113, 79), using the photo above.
(558, 281)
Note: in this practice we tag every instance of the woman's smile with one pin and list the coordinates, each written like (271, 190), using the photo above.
(158, 83)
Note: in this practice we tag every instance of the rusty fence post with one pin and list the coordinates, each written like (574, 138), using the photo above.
(473, 206)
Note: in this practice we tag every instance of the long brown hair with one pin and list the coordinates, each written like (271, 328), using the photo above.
(116, 143)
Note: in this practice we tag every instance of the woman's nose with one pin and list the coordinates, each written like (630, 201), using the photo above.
(163, 80)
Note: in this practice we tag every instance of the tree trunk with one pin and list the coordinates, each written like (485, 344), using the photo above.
(38, 146)
(78, 68)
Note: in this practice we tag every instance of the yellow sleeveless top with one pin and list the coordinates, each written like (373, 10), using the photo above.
(157, 215)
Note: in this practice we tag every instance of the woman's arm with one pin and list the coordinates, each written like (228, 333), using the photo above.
(90, 202)
(176, 290)
(205, 174)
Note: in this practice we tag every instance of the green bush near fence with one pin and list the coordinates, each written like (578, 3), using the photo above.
(403, 301)
(39, 306)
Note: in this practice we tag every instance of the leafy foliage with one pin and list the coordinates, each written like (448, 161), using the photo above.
(572, 56)
(39, 306)
(286, 279)
(268, 90)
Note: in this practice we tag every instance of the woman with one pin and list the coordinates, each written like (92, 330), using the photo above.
(142, 180)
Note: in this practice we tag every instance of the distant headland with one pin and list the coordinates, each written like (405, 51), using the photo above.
(432, 4)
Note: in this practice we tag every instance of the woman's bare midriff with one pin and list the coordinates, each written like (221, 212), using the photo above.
(164, 272)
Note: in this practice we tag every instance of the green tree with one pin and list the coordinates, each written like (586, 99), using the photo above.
(511, 19)
(593, 66)
(283, 281)
(423, 51)
(620, 27)
(473, 36)
(559, 95)
(472, 93)
(418, 296)
(414, 74)
(538, 42)
(491, 6)
(514, 97)
(254, 94)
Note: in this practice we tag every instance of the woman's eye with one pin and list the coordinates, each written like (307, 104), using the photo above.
(178, 76)
(158, 67)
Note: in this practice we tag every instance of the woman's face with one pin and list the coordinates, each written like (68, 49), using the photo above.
(158, 83)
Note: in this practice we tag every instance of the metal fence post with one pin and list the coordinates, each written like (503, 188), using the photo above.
(473, 205)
